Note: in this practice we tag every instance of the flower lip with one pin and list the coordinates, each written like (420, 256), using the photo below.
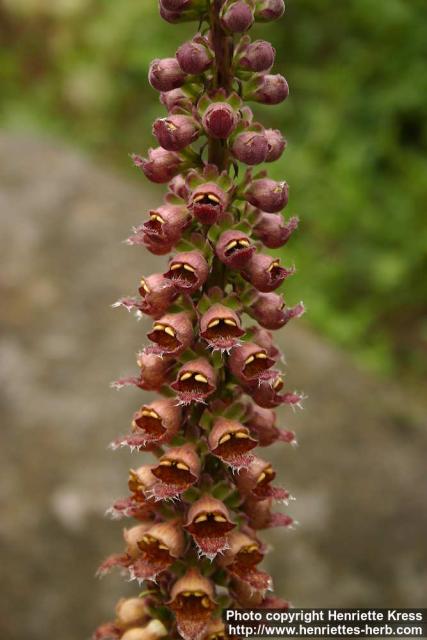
(250, 363)
(207, 203)
(174, 472)
(171, 334)
(231, 441)
(157, 420)
(208, 521)
(192, 600)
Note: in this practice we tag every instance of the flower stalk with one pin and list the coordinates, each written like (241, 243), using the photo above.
(210, 358)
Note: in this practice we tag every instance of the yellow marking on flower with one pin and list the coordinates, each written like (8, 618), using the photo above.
(231, 245)
(244, 243)
(249, 359)
(261, 355)
(275, 263)
(225, 438)
(188, 267)
(185, 376)
(155, 216)
(241, 435)
(158, 327)
(175, 266)
(213, 323)
(206, 603)
(230, 322)
(162, 546)
(198, 594)
(199, 377)
(261, 477)
(144, 285)
(277, 383)
(165, 463)
(202, 518)
(219, 518)
(170, 331)
(182, 466)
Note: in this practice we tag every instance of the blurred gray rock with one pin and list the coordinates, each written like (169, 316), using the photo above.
(359, 475)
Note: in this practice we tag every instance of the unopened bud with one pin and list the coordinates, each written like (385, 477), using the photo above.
(267, 195)
(176, 132)
(267, 10)
(166, 74)
(276, 144)
(271, 89)
(160, 166)
(250, 147)
(258, 56)
(238, 17)
(219, 120)
(194, 57)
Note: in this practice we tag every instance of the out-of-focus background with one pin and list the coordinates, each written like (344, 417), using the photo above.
(74, 102)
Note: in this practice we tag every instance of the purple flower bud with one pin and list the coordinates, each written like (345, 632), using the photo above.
(273, 231)
(258, 56)
(160, 166)
(250, 147)
(155, 247)
(188, 271)
(194, 57)
(208, 202)
(175, 99)
(268, 310)
(234, 249)
(166, 223)
(238, 17)
(157, 294)
(172, 334)
(267, 195)
(271, 89)
(276, 144)
(219, 120)
(178, 186)
(262, 424)
(265, 272)
(249, 362)
(268, 396)
(176, 132)
(267, 10)
(154, 371)
(166, 74)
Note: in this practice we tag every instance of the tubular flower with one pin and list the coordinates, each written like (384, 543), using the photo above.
(220, 326)
(176, 131)
(195, 381)
(256, 480)
(177, 470)
(241, 561)
(208, 521)
(250, 363)
(192, 600)
(231, 441)
(234, 249)
(160, 546)
(210, 356)
(172, 334)
(273, 231)
(188, 271)
(265, 273)
(157, 293)
(207, 203)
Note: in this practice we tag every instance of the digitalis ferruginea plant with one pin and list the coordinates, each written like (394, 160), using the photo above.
(200, 503)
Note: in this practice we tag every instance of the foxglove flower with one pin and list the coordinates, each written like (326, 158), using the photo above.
(270, 311)
(234, 249)
(208, 521)
(220, 326)
(166, 74)
(172, 334)
(207, 493)
(231, 441)
(273, 231)
(160, 166)
(188, 271)
(208, 202)
(160, 546)
(195, 381)
(177, 470)
(165, 224)
(176, 132)
(265, 273)
(250, 363)
(192, 601)
(268, 195)
(157, 293)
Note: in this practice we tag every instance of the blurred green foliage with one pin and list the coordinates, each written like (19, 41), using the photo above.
(355, 123)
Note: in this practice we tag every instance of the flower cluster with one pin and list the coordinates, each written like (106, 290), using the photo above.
(200, 505)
